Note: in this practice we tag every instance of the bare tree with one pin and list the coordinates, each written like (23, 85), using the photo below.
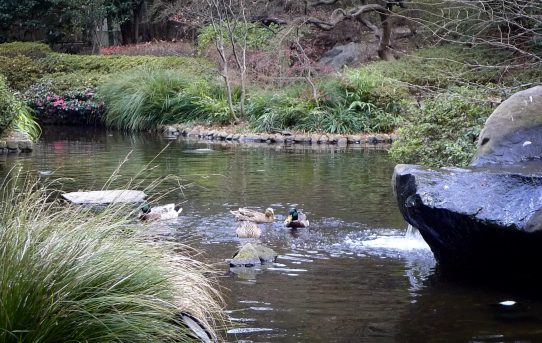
(238, 43)
(511, 25)
(230, 27)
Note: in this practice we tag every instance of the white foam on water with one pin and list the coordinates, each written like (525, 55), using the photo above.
(262, 308)
(412, 240)
(248, 330)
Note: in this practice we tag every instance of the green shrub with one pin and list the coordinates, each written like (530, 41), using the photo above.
(60, 83)
(21, 71)
(443, 131)
(64, 63)
(72, 274)
(33, 50)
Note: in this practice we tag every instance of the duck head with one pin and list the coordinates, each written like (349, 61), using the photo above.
(269, 213)
(292, 215)
(145, 208)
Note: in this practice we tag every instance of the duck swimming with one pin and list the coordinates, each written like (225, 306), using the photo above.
(169, 211)
(248, 230)
(248, 215)
(296, 219)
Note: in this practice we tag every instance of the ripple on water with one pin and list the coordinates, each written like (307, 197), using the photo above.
(248, 330)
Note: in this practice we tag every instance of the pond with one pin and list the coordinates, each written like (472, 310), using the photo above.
(354, 275)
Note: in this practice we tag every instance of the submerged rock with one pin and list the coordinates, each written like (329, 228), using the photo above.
(252, 254)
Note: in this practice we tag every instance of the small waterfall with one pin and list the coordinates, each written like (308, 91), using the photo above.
(412, 240)
(413, 234)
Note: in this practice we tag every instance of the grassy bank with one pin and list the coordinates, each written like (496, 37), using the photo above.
(436, 99)
(71, 274)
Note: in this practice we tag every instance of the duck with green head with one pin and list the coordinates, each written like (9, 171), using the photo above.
(296, 219)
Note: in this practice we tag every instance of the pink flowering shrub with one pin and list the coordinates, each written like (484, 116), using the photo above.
(75, 107)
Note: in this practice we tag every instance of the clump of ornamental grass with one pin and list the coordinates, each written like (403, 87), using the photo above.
(74, 274)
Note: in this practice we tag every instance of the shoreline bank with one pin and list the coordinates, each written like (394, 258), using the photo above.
(15, 142)
(278, 137)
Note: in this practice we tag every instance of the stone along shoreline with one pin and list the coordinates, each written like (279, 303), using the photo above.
(15, 142)
(278, 137)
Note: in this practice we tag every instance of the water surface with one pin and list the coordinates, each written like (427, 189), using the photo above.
(351, 277)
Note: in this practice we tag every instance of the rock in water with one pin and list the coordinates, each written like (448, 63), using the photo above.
(252, 254)
(487, 217)
(105, 197)
(475, 217)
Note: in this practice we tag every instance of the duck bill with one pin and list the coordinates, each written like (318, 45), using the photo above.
(289, 219)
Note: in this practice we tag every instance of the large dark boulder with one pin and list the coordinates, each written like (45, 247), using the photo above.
(487, 216)
(483, 218)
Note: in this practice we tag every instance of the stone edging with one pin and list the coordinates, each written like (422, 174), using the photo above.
(15, 143)
(274, 138)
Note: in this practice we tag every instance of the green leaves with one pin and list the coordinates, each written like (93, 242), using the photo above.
(443, 131)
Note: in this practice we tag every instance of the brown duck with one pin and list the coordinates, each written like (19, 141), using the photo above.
(248, 215)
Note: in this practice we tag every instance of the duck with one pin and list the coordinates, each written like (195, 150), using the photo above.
(245, 214)
(296, 219)
(248, 230)
(169, 211)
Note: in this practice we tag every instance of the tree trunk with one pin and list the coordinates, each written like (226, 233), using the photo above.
(110, 35)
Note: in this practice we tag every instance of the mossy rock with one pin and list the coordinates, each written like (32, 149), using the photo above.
(513, 132)
(252, 254)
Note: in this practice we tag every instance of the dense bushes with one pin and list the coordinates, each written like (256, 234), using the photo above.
(20, 71)
(59, 86)
(141, 92)
(64, 63)
(444, 129)
(149, 97)
(28, 49)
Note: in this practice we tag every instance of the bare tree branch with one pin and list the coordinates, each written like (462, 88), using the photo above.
(323, 2)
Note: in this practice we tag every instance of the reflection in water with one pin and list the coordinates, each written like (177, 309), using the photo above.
(352, 276)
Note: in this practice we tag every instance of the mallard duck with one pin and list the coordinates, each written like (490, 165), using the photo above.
(248, 215)
(169, 211)
(296, 219)
(248, 230)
